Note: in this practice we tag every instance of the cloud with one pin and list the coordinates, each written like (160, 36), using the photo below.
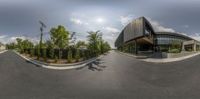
(126, 19)
(78, 21)
(158, 28)
(109, 34)
(112, 29)
(3, 36)
(196, 36)
(8, 39)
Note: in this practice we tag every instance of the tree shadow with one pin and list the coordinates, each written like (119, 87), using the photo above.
(33, 63)
(95, 65)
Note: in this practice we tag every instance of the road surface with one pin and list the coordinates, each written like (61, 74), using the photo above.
(114, 76)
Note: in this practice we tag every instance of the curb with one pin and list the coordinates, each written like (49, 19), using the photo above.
(3, 51)
(64, 66)
(167, 60)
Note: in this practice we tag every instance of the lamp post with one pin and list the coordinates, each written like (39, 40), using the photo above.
(41, 35)
(41, 30)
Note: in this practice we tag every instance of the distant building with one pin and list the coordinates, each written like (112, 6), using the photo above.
(139, 37)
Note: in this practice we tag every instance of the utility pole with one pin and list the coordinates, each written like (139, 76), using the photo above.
(41, 30)
(41, 35)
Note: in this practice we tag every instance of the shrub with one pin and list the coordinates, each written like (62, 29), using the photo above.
(60, 53)
(56, 59)
(174, 51)
(77, 56)
(51, 53)
(44, 53)
(32, 52)
(69, 56)
(38, 53)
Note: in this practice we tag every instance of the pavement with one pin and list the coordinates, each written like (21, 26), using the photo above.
(161, 60)
(114, 76)
(165, 60)
(3, 51)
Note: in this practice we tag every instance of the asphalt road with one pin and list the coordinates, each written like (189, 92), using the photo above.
(115, 76)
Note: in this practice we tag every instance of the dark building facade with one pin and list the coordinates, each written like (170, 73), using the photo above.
(139, 37)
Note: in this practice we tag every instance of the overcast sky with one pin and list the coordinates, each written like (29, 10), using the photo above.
(19, 18)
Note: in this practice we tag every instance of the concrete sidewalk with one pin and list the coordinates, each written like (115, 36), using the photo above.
(162, 60)
(3, 51)
(165, 60)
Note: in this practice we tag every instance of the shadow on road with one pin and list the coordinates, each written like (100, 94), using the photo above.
(33, 64)
(95, 66)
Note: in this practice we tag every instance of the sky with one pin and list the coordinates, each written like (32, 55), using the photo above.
(19, 18)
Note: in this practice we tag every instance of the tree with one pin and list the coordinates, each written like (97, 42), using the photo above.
(11, 46)
(94, 42)
(50, 47)
(26, 45)
(60, 38)
(37, 47)
(106, 47)
(81, 44)
(23, 45)
(32, 52)
(19, 44)
(44, 51)
(77, 55)
(69, 55)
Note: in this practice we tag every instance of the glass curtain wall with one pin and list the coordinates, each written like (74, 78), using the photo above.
(165, 42)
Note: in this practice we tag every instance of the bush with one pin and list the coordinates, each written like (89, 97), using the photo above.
(38, 53)
(32, 52)
(69, 56)
(174, 51)
(77, 56)
(60, 53)
(56, 59)
(51, 53)
(44, 53)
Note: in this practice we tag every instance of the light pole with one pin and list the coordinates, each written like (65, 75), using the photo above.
(41, 35)
(41, 30)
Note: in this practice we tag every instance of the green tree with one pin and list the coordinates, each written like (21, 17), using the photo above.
(69, 55)
(50, 47)
(44, 51)
(37, 47)
(26, 45)
(94, 42)
(19, 45)
(60, 38)
(32, 52)
(77, 55)
(106, 47)
(81, 44)
(11, 46)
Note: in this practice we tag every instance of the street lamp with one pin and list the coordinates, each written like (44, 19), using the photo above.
(41, 35)
(41, 30)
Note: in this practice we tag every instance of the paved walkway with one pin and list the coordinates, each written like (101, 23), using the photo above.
(165, 60)
(114, 76)
(161, 60)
